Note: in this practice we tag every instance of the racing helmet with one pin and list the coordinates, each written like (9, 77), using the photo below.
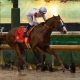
(43, 9)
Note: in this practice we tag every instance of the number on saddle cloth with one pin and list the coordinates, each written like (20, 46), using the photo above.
(18, 35)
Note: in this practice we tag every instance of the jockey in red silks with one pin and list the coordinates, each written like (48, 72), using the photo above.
(31, 16)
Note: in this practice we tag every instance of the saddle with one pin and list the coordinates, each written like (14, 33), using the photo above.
(18, 37)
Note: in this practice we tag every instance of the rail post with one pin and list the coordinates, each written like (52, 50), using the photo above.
(1, 56)
(15, 15)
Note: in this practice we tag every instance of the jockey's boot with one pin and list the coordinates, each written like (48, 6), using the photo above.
(25, 33)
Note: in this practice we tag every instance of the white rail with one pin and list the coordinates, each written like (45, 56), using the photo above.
(58, 33)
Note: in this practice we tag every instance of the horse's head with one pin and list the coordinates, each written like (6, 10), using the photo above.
(59, 24)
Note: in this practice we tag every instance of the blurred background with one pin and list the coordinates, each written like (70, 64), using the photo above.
(69, 10)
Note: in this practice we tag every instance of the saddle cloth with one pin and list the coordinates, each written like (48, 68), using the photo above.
(19, 35)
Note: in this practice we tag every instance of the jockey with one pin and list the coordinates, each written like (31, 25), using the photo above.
(34, 13)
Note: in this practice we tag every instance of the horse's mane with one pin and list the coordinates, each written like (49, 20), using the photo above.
(48, 19)
(45, 22)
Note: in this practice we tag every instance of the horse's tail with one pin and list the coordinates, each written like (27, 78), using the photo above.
(2, 38)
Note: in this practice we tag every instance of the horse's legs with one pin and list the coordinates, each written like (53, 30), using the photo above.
(49, 50)
(22, 52)
(38, 50)
(28, 65)
(18, 65)
(19, 59)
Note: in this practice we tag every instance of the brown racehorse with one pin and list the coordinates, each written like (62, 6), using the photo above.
(39, 40)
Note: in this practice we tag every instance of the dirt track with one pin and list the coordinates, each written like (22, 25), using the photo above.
(38, 75)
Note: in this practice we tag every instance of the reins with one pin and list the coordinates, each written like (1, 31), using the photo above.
(47, 26)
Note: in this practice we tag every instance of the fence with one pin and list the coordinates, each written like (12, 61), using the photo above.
(66, 52)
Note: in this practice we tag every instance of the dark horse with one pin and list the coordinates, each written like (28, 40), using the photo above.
(39, 40)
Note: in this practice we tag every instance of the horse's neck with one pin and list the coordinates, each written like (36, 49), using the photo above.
(50, 22)
(48, 27)
(46, 31)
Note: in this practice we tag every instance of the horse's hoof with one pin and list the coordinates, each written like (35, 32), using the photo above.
(37, 68)
(63, 69)
(30, 68)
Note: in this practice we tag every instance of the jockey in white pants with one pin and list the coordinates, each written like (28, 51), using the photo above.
(34, 13)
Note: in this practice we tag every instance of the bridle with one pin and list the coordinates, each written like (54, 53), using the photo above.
(46, 25)
(61, 25)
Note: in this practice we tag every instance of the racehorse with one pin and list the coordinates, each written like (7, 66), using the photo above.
(39, 40)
